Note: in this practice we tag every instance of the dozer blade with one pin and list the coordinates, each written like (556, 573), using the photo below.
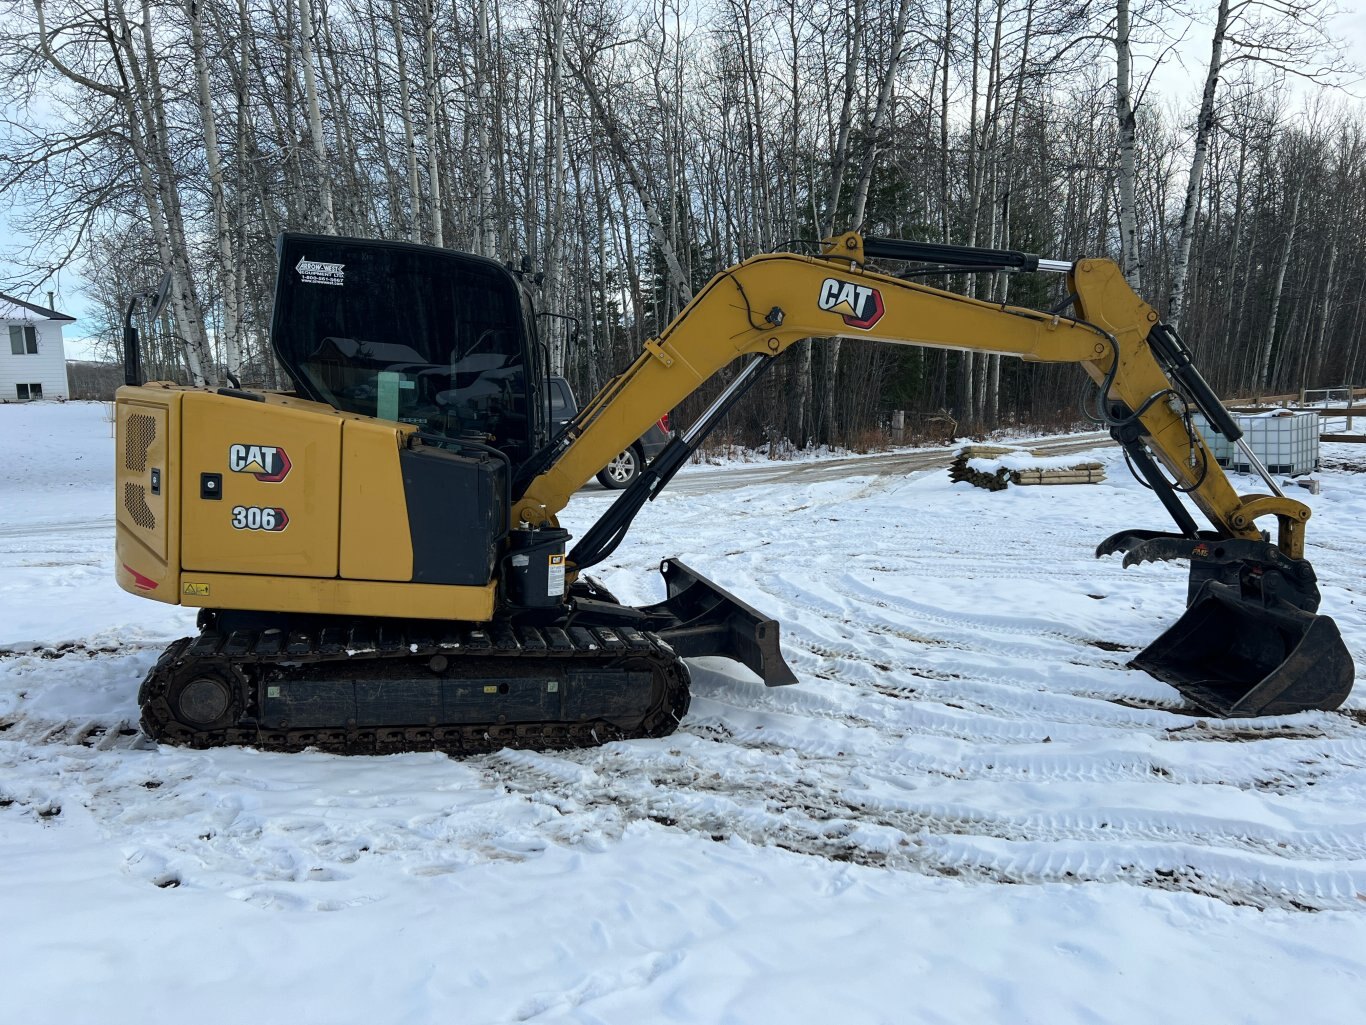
(700, 618)
(1237, 658)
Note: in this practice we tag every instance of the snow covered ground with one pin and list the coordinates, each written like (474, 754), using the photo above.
(968, 810)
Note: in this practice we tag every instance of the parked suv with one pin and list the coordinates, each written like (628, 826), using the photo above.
(627, 465)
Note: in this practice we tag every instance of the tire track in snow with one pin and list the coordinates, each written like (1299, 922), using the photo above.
(1231, 876)
(1047, 762)
(954, 632)
(26, 530)
(1047, 698)
(787, 781)
(1243, 863)
(956, 625)
(996, 693)
(100, 734)
(1002, 708)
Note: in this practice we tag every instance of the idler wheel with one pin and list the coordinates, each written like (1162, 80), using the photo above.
(207, 697)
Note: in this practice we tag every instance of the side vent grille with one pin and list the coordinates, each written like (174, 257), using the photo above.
(135, 501)
(139, 433)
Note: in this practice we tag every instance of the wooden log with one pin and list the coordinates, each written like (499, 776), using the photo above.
(1071, 476)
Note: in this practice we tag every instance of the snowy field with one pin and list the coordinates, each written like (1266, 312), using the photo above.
(967, 811)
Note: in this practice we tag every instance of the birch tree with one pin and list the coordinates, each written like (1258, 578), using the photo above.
(1288, 36)
(98, 51)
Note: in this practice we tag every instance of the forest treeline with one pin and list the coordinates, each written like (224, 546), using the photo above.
(628, 149)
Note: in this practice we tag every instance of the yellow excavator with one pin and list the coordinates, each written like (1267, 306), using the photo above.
(376, 554)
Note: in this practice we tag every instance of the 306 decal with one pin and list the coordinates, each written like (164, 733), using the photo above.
(255, 517)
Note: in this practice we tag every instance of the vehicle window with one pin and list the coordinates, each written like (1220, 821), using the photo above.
(411, 334)
(559, 399)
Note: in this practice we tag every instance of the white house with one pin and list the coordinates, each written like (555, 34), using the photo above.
(32, 358)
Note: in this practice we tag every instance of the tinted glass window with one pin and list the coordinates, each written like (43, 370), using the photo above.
(559, 398)
(424, 336)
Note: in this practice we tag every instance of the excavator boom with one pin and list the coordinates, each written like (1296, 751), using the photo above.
(765, 304)
(1250, 642)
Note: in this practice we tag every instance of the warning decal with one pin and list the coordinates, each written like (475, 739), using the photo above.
(554, 584)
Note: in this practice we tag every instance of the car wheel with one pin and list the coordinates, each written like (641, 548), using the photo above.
(621, 470)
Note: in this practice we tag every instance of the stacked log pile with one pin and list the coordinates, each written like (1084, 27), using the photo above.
(995, 480)
(996, 467)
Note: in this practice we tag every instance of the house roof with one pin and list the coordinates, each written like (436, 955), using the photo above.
(16, 309)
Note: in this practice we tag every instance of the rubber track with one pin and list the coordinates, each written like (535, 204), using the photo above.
(251, 652)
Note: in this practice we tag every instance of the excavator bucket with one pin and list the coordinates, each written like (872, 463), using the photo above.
(1237, 658)
(700, 618)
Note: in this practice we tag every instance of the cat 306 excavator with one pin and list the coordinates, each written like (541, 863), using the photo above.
(377, 557)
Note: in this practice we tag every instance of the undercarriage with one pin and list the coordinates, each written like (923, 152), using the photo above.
(369, 690)
(592, 672)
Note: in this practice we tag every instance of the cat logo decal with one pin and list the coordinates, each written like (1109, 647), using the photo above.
(264, 462)
(859, 305)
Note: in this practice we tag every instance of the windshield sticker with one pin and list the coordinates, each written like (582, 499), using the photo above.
(315, 272)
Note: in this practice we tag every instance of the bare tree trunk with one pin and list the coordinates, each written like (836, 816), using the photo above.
(838, 167)
(227, 264)
(1314, 363)
(1277, 288)
(485, 234)
(1203, 128)
(609, 124)
(884, 102)
(322, 173)
(348, 188)
(1130, 260)
(406, 112)
(555, 227)
(433, 150)
(144, 109)
(839, 161)
(800, 391)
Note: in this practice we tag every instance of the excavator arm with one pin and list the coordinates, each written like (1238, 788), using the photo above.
(1243, 589)
(765, 304)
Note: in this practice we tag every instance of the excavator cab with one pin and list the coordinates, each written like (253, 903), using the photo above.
(441, 340)
(446, 341)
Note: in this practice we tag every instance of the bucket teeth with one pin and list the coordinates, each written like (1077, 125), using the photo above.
(1128, 540)
(1166, 549)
